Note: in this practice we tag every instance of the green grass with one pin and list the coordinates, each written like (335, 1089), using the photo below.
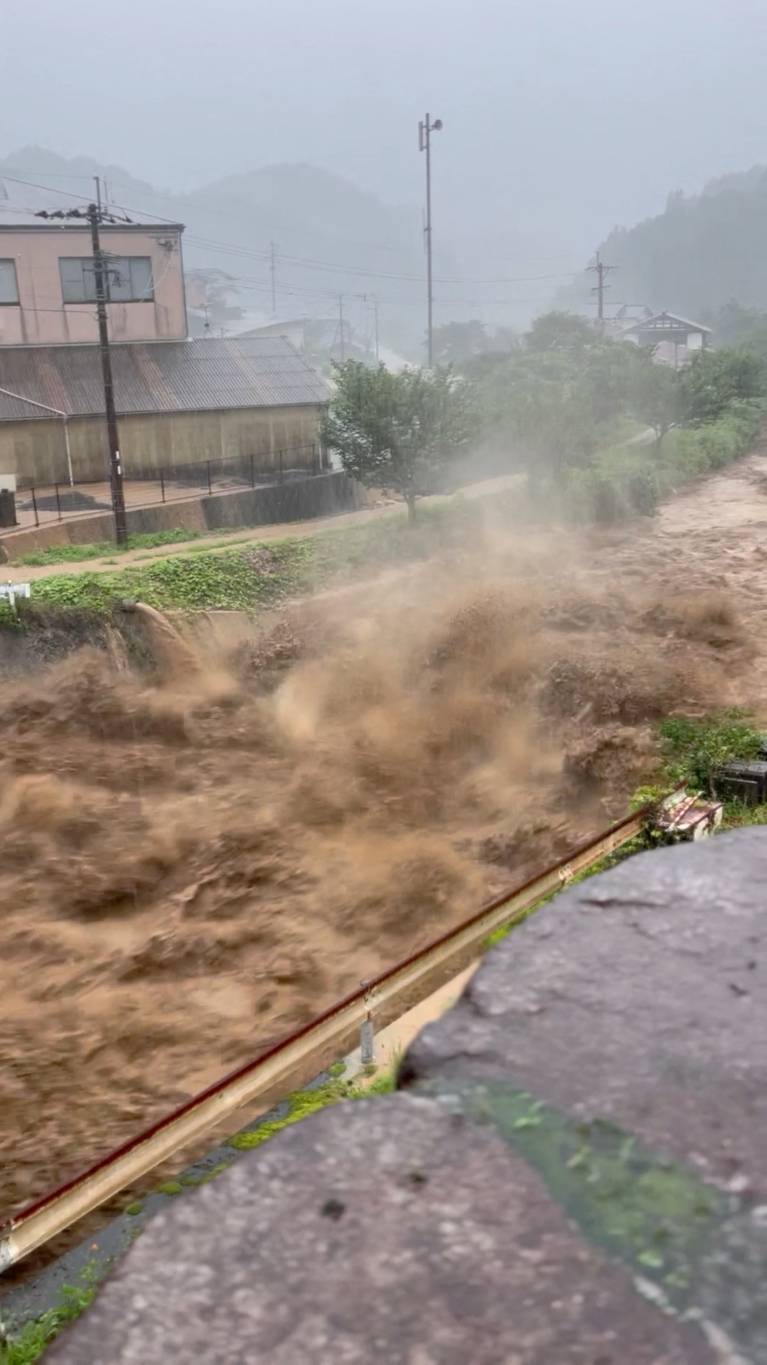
(695, 748)
(260, 574)
(302, 1103)
(27, 1345)
(738, 816)
(68, 554)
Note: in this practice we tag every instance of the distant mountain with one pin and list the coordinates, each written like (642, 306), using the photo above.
(699, 254)
(329, 236)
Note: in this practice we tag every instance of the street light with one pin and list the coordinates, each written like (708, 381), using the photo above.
(425, 130)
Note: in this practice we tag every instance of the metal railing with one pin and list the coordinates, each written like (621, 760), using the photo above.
(296, 1058)
(39, 504)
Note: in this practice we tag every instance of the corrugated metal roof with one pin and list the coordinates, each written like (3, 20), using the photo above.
(166, 376)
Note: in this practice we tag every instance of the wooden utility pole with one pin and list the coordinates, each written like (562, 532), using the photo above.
(599, 289)
(100, 271)
(341, 326)
(95, 216)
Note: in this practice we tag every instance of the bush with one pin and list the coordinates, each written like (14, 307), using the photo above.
(695, 748)
(620, 484)
(629, 480)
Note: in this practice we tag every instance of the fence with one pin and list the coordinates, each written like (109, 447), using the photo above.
(295, 1059)
(40, 504)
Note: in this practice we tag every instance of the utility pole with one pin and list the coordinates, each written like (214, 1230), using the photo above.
(425, 130)
(273, 273)
(341, 326)
(374, 302)
(95, 215)
(102, 294)
(375, 325)
(599, 289)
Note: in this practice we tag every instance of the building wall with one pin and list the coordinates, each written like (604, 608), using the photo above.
(36, 451)
(41, 316)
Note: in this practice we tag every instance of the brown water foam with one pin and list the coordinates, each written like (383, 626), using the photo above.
(191, 866)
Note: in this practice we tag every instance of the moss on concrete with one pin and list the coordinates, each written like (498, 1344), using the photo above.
(652, 1213)
(26, 1345)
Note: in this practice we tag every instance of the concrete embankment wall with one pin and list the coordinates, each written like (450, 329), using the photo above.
(574, 1169)
(296, 500)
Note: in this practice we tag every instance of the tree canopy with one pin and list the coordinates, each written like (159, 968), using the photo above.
(401, 431)
(460, 343)
(717, 378)
(656, 395)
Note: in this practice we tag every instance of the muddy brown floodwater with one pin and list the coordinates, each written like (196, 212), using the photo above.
(192, 865)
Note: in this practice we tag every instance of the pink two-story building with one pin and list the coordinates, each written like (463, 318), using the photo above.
(48, 287)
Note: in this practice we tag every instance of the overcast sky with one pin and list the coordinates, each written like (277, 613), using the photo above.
(562, 117)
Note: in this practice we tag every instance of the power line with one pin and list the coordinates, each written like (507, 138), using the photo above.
(301, 291)
(308, 262)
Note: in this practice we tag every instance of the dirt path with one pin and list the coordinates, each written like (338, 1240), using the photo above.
(19, 573)
(189, 869)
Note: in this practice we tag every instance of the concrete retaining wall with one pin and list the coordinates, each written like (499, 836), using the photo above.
(575, 1173)
(297, 500)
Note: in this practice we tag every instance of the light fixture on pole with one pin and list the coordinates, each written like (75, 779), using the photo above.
(425, 130)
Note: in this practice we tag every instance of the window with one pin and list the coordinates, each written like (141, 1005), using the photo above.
(129, 279)
(9, 289)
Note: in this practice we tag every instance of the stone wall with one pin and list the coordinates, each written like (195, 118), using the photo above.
(575, 1169)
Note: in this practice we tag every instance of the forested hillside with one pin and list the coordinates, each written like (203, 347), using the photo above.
(697, 256)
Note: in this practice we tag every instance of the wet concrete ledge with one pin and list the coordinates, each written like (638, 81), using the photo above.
(574, 1170)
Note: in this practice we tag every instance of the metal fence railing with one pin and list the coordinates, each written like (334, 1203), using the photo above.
(38, 504)
(294, 1060)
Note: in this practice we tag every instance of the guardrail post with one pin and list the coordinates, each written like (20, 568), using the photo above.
(252, 471)
(367, 1035)
(162, 483)
(210, 486)
(58, 500)
(34, 506)
(282, 470)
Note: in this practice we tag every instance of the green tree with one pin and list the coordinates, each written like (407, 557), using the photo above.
(717, 378)
(458, 342)
(657, 396)
(559, 332)
(399, 431)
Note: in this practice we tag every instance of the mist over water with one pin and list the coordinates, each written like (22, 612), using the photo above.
(197, 860)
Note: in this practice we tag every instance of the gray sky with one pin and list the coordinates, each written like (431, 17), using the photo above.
(562, 117)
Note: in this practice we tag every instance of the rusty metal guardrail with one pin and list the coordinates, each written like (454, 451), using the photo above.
(295, 1059)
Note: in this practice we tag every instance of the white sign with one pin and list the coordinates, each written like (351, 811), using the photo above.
(13, 590)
